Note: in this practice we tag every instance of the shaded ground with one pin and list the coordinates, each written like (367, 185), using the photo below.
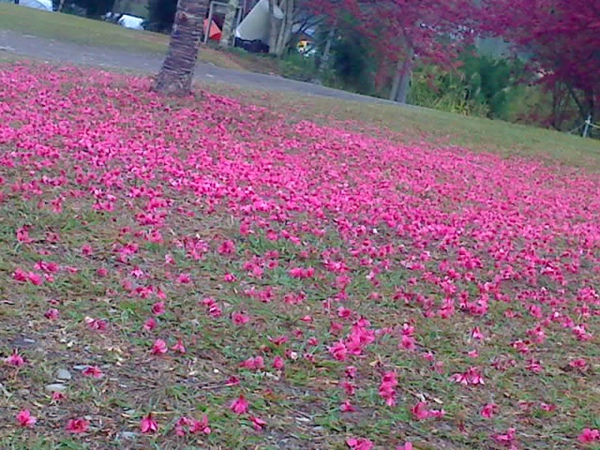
(53, 50)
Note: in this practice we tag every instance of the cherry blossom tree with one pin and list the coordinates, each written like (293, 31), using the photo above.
(562, 37)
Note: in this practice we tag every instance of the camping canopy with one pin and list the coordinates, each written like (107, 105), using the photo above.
(215, 32)
(133, 22)
(257, 24)
(45, 5)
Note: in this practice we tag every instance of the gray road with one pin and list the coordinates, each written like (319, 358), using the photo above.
(53, 50)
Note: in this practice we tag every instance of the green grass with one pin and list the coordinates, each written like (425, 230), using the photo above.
(78, 30)
(83, 31)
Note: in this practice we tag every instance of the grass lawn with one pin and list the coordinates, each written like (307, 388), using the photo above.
(79, 30)
(251, 270)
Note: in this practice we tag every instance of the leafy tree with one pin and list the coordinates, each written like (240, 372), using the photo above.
(563, 39)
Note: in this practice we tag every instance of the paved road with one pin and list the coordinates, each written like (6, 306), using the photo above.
(53, 50)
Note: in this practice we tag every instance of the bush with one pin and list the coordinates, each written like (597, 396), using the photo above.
(482, 86)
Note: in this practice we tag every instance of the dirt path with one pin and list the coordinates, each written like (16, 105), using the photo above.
(53, 50)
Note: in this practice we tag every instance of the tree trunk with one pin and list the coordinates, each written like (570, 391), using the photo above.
(401, 83)
(324, 64)
(286, 28)
(276, 24)
(227, 31)
(175, 76)
(396, 81)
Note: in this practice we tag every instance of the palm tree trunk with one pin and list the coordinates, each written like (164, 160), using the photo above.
(227, 31)
(175, 76)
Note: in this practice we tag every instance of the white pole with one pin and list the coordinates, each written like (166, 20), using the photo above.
(586, 128)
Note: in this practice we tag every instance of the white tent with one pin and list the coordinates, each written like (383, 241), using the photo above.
(44, 5)
(257, 24)
(132, 22)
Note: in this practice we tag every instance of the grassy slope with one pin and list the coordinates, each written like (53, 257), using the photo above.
(421, 125)
(416, 123)
(80, 30)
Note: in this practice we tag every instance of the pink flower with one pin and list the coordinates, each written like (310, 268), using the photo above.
(58, 396)
(19, 275)
(96, 324)
(150, 324)
(25, 419)
(159, 347)
(278, 363)
(338, 351)
(344, 312)
(92, 371)
(232, 381)
(407, 343)
(52, 314)
(359, 444)
(507, 438)
(347, 407)
(148, 425)
(179, 347)
(589, 435)
(229, 278)
(579, 363)
(489, 410)
(256, 363)
(35, 278)
(472, 377)
(548, 407)
(476, 334)
(77, 426)
(184, 278)
(180, 425)
(23, 235)
(257, 423)
(199, 426)
(387, 388)
(15, 359)
(239, 318)
(226, 248)
(158, 308)
(420, 411)
(406, 446)
(349, 388)
(239, 405)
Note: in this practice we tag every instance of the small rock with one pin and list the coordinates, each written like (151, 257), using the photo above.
(56, 387)
(81, 367)
(63, 374)
(128, 435)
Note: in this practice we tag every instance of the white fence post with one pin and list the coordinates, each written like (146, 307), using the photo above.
(586, 128)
